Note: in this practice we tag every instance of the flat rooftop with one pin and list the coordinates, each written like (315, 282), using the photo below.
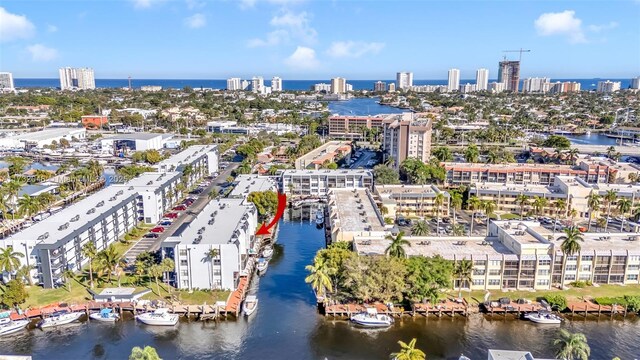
(448, 247)
(387, 191)
(186, 154)
(512, 167)
(495, 188)
(225, 215)
(326, 172)
(150, 180)
(134, 136)
(247, 184)
(46, 134)
(356, 210)
(117, 291)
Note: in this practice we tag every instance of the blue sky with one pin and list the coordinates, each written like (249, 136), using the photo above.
(305, 39)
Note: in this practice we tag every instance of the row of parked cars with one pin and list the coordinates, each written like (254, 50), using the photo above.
(169, 218)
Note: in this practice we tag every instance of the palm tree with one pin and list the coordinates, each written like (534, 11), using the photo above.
(437, 202)
(610, 151)
(462, 272)
(489, 207)
(471, 154)
(68, 275)
(319, 276)
(396, 249)
(110, 260)
(624, 206)
(573, 154)
(45, 199)
(156, 271)
(539, 203)
(408, 352)
(572, 346)
(601, 223)
(609, 197)
(522, 200)
(570, 246)
(560, 205)
(473, 204)
(572, 214)
(10, 260)
(95, 169)
(28, 205)
(12, 189)
(24, 273)
(90, 252)
(457, 229)
(212, 254)
(167, 265)
(214, 193)
(420, 228)
(455, 201)
(593, 202)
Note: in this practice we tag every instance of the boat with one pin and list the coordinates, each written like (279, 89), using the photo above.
(462, 357)
(319, 217)
(250, 305)
(262, 266)
(13, 326)
(543, 317)
(160, 316)
(59, 318)
(105, 315)
(371, 318)
(267, 252)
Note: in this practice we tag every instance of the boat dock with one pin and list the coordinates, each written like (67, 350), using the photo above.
(588, 307)
(447, 307)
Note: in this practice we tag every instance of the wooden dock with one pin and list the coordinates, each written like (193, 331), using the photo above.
(446, 307)
(588, 307)
(512, 308)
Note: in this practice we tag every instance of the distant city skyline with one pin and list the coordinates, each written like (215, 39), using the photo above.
(297, 39)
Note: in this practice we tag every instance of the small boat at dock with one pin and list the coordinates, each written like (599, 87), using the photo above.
(267, 252)
(262, 266)
(250, 305)
(13, 326)
(59, 318)
(371, 318)
(105, 315)
(543, 317)
(319, 218)
(160, 317)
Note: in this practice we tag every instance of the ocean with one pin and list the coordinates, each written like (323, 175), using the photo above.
(586, 84)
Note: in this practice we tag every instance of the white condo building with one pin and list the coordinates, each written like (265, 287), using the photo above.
(257, 84)
(635, 83)
(322, 87)
(234, 84)
(276, 84)
(482, 79)
(77, 78)
(6, 82)
(404, 80)
(497, 87)
(608, 86)
(338, 85)
(454, 80)
(535, 84)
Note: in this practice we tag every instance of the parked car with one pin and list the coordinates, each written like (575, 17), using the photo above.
(157, 229)
(171, 215)
(151, 236)
(165, 223)
(180, 208)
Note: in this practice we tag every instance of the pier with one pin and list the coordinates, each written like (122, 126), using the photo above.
(446, 307)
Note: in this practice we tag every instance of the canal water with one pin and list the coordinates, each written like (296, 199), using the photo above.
(362, 106)
(287, 325)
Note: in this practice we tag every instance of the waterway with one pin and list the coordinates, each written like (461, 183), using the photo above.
(362, 106)
(287, 325)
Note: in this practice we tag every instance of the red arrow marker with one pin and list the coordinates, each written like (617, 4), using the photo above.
(282, 204)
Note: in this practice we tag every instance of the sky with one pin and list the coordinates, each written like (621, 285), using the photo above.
(307, 39)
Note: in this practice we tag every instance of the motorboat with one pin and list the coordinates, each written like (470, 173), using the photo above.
(262, 266)
(13, 326)
(250, 305)
(160, 316)
(267, 252)
(105, 315)
(462, 357)
(371, 318)
(319, 218)
(543, 317)
(59, 318)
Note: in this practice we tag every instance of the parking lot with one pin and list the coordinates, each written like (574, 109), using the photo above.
(363, 158)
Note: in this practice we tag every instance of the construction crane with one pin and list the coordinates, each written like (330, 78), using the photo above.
(518, 51)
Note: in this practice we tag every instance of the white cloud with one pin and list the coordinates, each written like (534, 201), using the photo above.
(52, 28)
(561, 23)
(13, 27)
(353, 49)
(195, 4)
(303, 58)
(289, 25)
(247, 4)
(144, 4)
(603, 27)
(42, 53)
(195, 21)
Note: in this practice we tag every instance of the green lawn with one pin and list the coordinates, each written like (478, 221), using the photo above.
(509, 216)
(572, 294)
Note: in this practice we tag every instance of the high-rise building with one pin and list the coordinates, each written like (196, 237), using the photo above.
(6, 81)
(454, 80)
(338, 85)
(497, 87)
(467, 88)
(380, 86)
(404, 80)
(234, 84)
(322, 87)
(76, 78)
(571, 86)
(276, 84)
(244, 85)
(608, 86)
(509, 74)
(635, 83)
(406, 136)
(482, 79)
(536, 84)
(392, 87)
(557, 88)
(257, 84)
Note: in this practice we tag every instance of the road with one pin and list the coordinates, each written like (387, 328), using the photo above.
(185, 217)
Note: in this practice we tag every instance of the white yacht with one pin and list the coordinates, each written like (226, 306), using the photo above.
(319, 217)
(371, 318)
(12, 326)
(59, 318)
(105, 315)
(543, 317)
(267, 252)
(159, 316)
(262, 266)
(250, 305)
